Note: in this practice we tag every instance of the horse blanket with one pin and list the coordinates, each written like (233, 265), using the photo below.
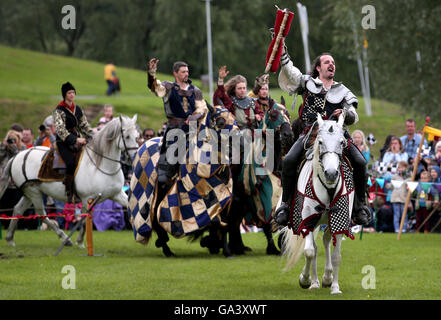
(199, 194)
(306, 208)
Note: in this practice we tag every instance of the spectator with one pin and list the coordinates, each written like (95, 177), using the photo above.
(438, 153)
(384, 217)
(399, 195)
(111, 79)
(435, 174)
(9, 147)
(385, 147)
(108, 113)
(411, 140)
(28, 138)
(99, 126)
(71, 214)
(17, 127)
(395, 153)
(359, 140)
(46, 135)
(427, 197)
(148, 133)
(162, 131)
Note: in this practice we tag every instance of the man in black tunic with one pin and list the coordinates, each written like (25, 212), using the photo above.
(72, 131)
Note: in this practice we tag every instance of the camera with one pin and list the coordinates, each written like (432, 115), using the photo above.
(42, 127)
(10, 141)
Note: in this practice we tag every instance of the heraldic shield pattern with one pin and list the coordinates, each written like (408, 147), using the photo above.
(198, 195)
(307, 209)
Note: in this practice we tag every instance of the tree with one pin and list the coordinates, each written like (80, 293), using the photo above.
(401, 33)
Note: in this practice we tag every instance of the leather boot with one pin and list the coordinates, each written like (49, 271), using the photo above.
(69, 184)
(281, 216)
(289, 182)
(361, 214)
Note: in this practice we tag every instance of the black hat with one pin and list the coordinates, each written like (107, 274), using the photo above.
(65, 88)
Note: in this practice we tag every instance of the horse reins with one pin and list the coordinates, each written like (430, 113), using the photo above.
(126, 151)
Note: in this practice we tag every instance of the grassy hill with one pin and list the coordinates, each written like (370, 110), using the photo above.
(30, 85)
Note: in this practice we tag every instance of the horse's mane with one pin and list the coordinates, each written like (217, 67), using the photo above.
(102, 140)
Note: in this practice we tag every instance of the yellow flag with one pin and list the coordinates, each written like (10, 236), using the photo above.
(432, 132)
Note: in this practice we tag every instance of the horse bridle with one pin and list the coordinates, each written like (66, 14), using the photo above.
(126, 152)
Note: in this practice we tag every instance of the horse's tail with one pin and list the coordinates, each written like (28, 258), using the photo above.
(4, 179)
(292, 246)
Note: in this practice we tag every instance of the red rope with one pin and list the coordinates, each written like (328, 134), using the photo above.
(36, 216)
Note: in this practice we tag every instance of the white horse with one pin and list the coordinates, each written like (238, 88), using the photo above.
(320, 185)
(99, 171)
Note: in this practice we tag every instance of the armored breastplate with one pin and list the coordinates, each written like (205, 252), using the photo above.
(314, 96)
(243, 120)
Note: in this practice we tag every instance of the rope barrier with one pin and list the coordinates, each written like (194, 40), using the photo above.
(36, 216)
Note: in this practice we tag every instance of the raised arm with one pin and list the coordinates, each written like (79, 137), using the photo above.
(154, 84)
(290, 77)
(220, 96)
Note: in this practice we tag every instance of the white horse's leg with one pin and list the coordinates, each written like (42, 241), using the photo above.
(80, 238)
(309, 251)
(315, 284)
(37, 200)
(19, 208)
(122, 199)
(336, 259)
(327, 276)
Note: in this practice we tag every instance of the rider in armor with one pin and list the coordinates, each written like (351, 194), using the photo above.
(233, 95)
(182, 103)
(321, 94)
(72, 131)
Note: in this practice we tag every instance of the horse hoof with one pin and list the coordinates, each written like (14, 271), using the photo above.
(326, 283)
(81, 245)
(272, 251)
(11, 243)
(68, 243)
(314, 285)
(335, 290)
(168, 253)
(304, 283)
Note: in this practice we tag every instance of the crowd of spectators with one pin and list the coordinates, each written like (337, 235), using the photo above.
(390, 178)
(107, 215)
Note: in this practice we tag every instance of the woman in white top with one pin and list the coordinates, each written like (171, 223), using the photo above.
(395, 153)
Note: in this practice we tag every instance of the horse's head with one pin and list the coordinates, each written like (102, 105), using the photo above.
(329, 147)
(129, 135)
(277, 118)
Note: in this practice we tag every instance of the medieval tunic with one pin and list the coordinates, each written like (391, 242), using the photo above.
(179, 104)
(70, 124)
(244, 109)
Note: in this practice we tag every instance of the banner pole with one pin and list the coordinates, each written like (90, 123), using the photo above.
(276, 45)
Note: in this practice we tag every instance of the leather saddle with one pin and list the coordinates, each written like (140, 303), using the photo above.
(53, 168)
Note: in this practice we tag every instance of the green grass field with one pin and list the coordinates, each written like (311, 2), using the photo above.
(30, 85)
(406, 269)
